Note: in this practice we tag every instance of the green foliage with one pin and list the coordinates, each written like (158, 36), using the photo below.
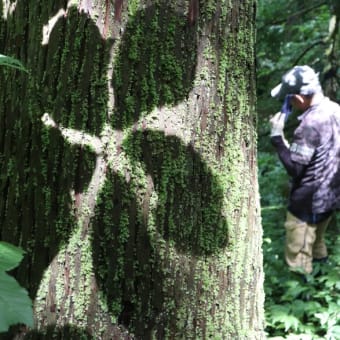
(291, 32)
(11, 62)
(15, 305)
(296, 308)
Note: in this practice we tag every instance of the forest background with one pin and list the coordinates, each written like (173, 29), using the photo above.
(293, 33)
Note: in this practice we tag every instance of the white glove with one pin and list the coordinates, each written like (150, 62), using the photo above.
(48, 121)
(277, 124)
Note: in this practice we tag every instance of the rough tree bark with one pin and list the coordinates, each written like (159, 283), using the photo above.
(128, 167)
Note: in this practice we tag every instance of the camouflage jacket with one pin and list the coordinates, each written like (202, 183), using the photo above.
(313, 160)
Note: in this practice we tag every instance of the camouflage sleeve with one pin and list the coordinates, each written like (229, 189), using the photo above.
(306, 140)
(293, 169)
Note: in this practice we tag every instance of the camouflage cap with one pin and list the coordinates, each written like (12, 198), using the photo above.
(299, 80)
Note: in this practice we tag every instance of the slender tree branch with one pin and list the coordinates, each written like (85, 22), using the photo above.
(299, 13)
(306, 50)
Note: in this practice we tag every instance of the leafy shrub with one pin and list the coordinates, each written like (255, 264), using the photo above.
(15, 304)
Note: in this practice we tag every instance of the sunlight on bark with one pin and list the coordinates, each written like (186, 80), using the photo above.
(47, 29)
(8, 8)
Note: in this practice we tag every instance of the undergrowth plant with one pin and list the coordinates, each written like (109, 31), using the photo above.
(297, 307)
(15, 304)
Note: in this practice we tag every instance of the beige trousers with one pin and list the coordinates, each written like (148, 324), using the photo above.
(304, 242)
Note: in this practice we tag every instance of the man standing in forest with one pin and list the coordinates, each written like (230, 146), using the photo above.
(313, 162)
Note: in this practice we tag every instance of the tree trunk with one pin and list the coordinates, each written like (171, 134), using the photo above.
(128, 167)
(330, 76)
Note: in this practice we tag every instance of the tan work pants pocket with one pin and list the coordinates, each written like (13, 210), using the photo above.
(300, 238)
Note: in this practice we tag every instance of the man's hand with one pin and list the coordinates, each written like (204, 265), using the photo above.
(277, 124)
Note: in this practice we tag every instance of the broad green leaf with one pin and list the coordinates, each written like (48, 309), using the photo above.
(299, 308)
(291, 322)
(15, 304)
(311, 306)
(12, 62)
(294, 289)
(282, 314)
(277, 312)
(324, 316)
(10, 256)
(332, 279)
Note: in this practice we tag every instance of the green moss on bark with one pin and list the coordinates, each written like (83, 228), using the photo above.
(173, 243)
